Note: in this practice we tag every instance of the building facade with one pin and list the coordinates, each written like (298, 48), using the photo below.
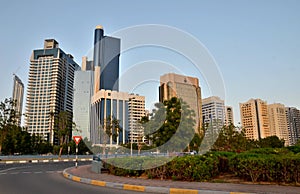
(106, 57)
(213, 110)
(255, 119)
(17, 96)
(124, 107)
(278, 122)
(183, 87)
(293, 123)
(50, 89)
(83, 91)
(229, 115)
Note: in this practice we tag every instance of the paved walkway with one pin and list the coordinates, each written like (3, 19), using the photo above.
(84, 174)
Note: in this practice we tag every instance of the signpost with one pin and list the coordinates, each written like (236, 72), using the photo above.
(77, 140)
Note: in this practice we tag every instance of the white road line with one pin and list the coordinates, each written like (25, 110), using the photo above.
(7, 169)
(9, 162)
(39, 172)
(22, 161)
(34, 161)
(14, 173)
(45, 160)
(66, 160)
(55, 160)
(3, 173)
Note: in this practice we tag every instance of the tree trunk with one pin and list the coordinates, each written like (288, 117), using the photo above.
(60, 151)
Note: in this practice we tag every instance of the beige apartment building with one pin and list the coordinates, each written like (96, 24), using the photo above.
(278, 122)
(255, 119)
(184, 87)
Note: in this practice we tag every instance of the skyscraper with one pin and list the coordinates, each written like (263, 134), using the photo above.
(213, 110)
(293, 122)
(17, 96)
(83, 91)
(255, 119)
(106, 58)
(50, 89)
(184, 87)
(278, 122)
(229, 115)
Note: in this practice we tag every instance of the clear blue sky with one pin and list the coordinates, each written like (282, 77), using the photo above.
(255, 42)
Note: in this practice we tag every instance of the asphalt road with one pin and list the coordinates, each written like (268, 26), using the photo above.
(45, 178)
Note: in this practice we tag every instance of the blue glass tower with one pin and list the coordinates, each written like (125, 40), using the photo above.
(106, 56)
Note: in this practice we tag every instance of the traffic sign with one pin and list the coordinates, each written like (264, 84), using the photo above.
(77, 139)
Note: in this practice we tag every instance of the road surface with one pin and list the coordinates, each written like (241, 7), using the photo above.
(45, 178)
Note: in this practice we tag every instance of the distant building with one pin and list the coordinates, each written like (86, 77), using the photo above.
(229, 115)
(183, 87)
(50, 89)
(255, 119)
(293, 123)
(106, 57)
(83, 91)
(278, 122)
(213, 110)
(17, 96)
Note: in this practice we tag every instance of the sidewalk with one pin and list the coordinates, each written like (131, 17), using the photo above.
(85, 175)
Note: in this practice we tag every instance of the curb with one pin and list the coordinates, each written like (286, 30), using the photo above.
(140, 188)
(43, 161)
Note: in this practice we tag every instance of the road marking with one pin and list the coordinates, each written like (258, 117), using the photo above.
(98, 183)
(66, 160)
(3, 173)
(7, 169)
(185, 191)
(39, 172)
(26, 172)
(22, 161)
(45, 160)
(76, 178)
(9, 162)
(34, 161)
(55, 160)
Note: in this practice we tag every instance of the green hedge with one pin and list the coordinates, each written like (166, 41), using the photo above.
(261, 165)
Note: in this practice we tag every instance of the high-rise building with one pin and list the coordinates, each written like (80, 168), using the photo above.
(229, 115)
(136, 108)
(106, 57)
(278, 122)
(293, 122)
(254, 119)
(213, 110)
(83, 91)
(50, 89)
(17, 96)
(183, 87)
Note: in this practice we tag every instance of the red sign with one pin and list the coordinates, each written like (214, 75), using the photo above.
(77, 139)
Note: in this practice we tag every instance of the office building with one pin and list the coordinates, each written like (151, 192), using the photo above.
(83, 91)
(293, 123)
(254, 119)
(278, 122)
(229, 115)
(183, 87)
(18, 94)
(106, 57)
(124, 107)
(213, 111)
(50, 89)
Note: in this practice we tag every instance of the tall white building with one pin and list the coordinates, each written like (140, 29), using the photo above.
(83, 91)
(278, 122)
(18, 94)
(213, 110)
(50, 89)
